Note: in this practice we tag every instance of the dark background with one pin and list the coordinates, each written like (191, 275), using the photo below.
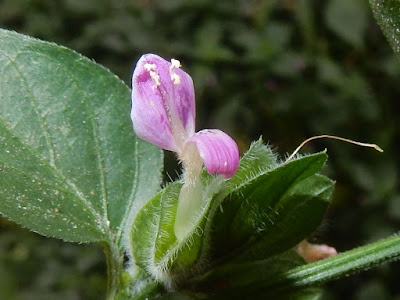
(286, 70)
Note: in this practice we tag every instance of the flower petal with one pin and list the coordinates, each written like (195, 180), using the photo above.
(163, 102)
(218, 151)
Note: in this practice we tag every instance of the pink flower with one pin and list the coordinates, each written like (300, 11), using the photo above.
(163, 113)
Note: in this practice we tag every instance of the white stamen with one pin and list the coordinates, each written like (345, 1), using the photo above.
(150, 67)
(174, 77)
(153, 74)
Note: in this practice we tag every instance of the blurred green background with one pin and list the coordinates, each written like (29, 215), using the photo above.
(286, 70)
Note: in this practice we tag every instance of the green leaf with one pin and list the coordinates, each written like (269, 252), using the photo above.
(348, 19)
(300, 212)
(386, 12)
(263, 205)
(70, 165)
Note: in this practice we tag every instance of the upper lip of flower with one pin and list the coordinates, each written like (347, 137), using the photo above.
(163, 113)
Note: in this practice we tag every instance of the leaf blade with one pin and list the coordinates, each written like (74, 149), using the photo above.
(301, 211)
(249, 210)
(71, 117)
(386, 13)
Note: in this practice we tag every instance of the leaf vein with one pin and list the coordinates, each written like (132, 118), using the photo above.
(99, 154)
(130, 202)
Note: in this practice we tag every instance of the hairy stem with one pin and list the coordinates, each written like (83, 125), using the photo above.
(341, 265)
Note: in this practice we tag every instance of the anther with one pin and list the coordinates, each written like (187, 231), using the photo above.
(174, 77)
(153, 74)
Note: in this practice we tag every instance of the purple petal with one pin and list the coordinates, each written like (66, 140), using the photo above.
(162, 109)
(218, 151)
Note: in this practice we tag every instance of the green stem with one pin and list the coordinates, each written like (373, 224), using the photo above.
(341, 265)
(120, 286)
(114, 269)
